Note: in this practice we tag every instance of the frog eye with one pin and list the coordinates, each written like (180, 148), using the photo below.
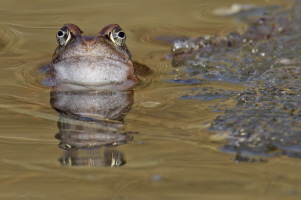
(63, 36)
(117, 36)
(66, 33)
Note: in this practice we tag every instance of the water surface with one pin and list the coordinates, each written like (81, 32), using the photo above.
(171, 156)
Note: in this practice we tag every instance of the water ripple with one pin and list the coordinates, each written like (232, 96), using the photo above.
(10, 38)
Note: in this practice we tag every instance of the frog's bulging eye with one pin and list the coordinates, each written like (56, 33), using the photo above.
(63, 36)
(117, 36)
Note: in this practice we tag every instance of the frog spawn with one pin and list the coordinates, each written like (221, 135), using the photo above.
(266, 120)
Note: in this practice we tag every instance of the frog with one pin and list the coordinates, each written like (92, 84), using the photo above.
(98, 60)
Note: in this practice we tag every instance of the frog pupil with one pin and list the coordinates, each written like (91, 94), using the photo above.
(60, 33)
(121, 34)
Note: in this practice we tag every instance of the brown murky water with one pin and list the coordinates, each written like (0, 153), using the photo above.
(171, 157)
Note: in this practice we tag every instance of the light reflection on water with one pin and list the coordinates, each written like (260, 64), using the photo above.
(172, 143)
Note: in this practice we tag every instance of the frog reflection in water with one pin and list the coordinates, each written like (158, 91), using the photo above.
(91, 122)
(92, 92)
(93, 60)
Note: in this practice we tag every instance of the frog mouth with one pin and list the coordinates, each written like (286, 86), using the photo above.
(91, 58)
